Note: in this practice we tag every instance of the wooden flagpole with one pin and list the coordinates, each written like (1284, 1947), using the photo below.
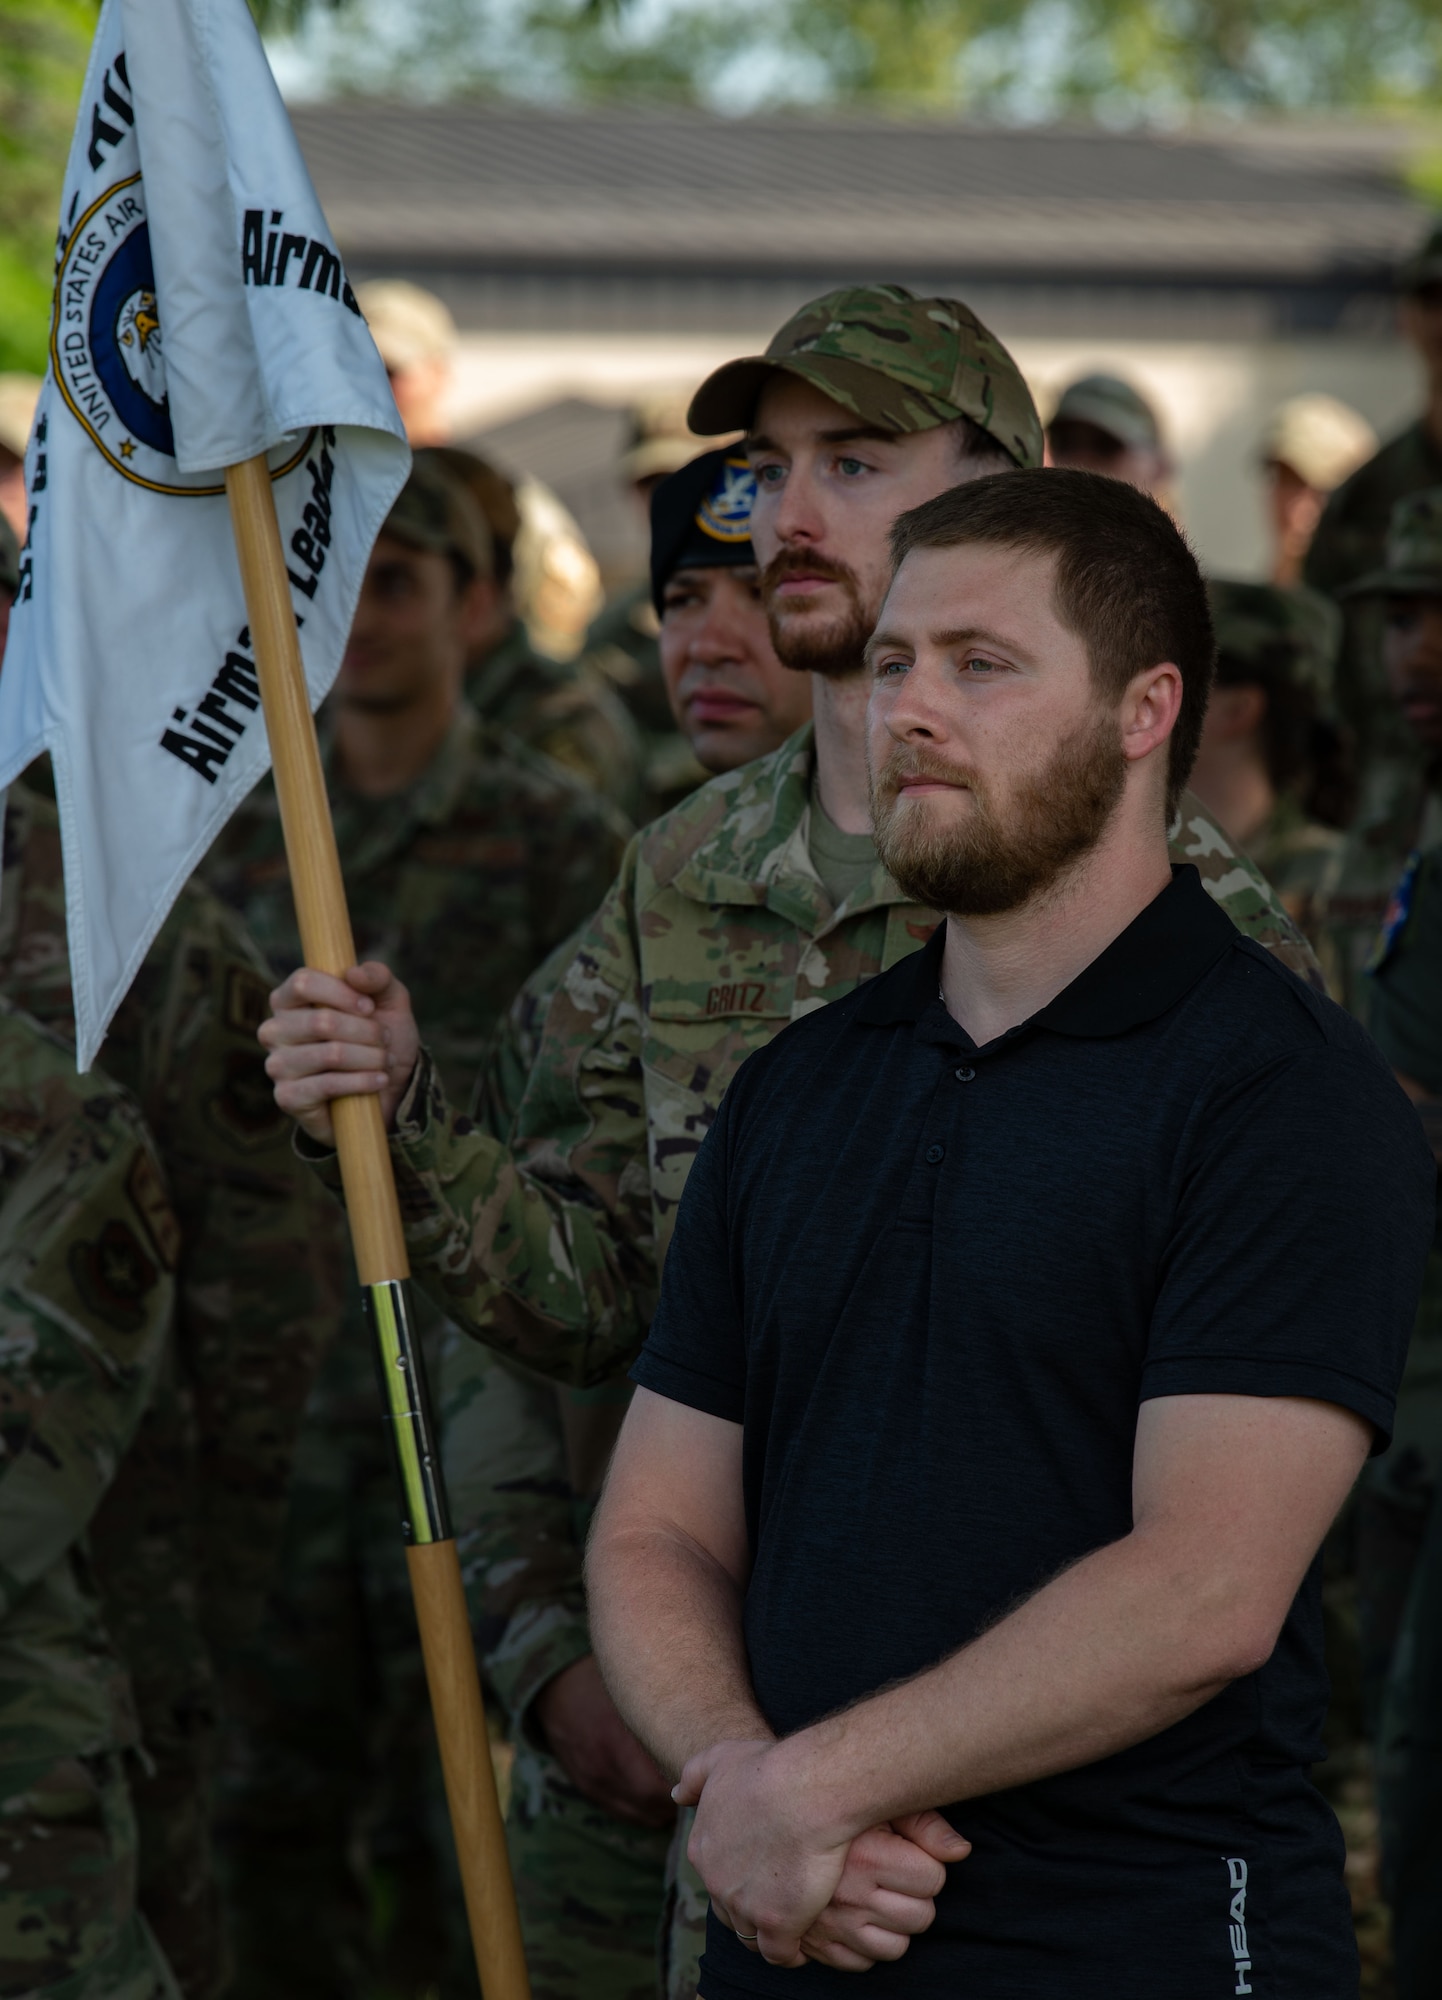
(380, 1255)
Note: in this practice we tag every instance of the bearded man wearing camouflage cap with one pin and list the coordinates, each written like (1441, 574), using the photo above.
(730, 917)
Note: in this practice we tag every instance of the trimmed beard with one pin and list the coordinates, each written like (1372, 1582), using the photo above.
(835, 652)
(983, 866)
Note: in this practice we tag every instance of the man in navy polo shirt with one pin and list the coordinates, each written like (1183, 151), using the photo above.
(1030, 1313)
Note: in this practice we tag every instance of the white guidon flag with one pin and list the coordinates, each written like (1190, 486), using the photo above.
(202, 316)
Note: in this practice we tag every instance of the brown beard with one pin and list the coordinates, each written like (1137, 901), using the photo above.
(982, 866)
(835, 652)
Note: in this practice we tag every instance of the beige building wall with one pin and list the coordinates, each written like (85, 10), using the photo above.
(1214, 397)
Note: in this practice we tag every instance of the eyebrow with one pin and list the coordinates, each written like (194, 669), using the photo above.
(848, 434)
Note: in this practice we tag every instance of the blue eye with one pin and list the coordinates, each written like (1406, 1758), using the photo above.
(850, 465)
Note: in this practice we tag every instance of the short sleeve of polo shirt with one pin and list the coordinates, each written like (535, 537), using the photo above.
(1303, 1215)
(1404, 1009)
(696, 1352)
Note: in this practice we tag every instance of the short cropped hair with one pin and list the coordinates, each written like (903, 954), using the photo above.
(1126, 582)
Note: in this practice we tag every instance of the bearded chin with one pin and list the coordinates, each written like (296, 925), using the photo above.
(834, 650)
(981, 866)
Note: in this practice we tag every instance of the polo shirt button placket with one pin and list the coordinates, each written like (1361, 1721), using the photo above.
(965, 1074)
(935, 1155)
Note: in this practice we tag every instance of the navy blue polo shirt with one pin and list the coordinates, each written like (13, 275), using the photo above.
(934, 1283)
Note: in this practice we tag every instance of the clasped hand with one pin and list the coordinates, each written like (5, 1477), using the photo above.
(793, 1890)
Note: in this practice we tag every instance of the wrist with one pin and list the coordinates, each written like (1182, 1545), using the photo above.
(805, 1773)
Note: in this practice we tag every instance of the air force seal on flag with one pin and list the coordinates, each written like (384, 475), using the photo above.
(107, 345)
(725, 513)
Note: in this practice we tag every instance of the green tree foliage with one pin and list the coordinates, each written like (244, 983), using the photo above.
(43, 47)
(1121, 58)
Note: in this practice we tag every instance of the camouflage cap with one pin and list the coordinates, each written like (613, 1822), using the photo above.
(9, 557)
(1424, 266)
(1321, 439)
(1413, 563)
(657, 438)
(408, 325)
(1269, 635)
(896, 361)
(435, 511)
(1113, 406)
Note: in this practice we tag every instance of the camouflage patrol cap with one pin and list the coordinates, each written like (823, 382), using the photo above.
(9, 557)
(1113, 406)
(896, 361)
(1413, 563)
(1268, 635)
(435, 511)
(1424, 266)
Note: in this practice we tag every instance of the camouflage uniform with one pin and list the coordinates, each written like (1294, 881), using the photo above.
(1271, 637)
(88, 1247)
(624, 645)
(465, 880)
(189, 1530)
(1350, 540)
(566, 710)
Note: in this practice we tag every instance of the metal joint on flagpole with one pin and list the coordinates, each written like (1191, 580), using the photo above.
(426, 1517)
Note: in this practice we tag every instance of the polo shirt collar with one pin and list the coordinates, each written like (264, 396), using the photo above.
(1157, 959)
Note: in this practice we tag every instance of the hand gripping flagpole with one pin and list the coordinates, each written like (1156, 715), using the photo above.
(380, 1254)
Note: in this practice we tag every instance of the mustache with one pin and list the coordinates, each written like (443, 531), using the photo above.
(794, 562)
(903, 766)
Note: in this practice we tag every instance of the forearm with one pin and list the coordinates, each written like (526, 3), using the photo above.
(1116, 1649)
(561, 1282)
(666, 1623)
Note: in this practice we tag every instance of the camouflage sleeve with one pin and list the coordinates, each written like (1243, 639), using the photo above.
(503, 1433)
(262, 1259)
(517, 1534)
(87, 1245)
(585, 726)
(545, 1249)
(1236, 882)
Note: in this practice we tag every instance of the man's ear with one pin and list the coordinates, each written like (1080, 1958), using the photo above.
(1150, 708)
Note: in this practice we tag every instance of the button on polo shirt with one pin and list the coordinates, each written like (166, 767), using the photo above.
(936, 1310)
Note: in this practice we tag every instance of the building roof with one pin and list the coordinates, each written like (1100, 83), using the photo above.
(502, 190)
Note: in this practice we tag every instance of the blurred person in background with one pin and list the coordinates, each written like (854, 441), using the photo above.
(416, 337)
(559, 707)
(1402, 817)
(1376, 922)
(1274, 769)
(1102, 424)
(546, 586)
(1352, 534)
(19, 394)
(623, 643)
(467, 858)
(1310, 446)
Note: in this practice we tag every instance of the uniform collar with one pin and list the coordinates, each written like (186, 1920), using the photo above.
(1155, 961)
(753, 847)
(375, 829)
